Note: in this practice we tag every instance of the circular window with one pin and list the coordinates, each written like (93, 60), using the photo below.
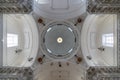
(59, 40)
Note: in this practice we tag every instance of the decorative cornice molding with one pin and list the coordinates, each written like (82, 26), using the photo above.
(103, 6)
(16, 73)
(16, 6)
(103, 73)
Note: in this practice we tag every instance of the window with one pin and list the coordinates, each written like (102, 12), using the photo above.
(107, 40)
(42, 1)
(12, 40)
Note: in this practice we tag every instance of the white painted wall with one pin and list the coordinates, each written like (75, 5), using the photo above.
(25, 27)
(1, 40)
(14, 27)
(107, 26)
(93, 29)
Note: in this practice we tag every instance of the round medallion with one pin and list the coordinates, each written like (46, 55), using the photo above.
(59, 40)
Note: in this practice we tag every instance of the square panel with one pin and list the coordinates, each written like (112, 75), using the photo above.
(60, 4)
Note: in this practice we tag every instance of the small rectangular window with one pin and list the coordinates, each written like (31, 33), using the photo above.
(107, 40)
(12, 40)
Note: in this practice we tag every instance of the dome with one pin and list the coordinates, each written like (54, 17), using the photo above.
(59, 39)
(60, 9)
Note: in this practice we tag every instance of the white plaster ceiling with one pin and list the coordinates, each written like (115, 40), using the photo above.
(59, 9)
(54, 72)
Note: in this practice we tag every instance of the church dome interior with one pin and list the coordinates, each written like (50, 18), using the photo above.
(59, 40)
